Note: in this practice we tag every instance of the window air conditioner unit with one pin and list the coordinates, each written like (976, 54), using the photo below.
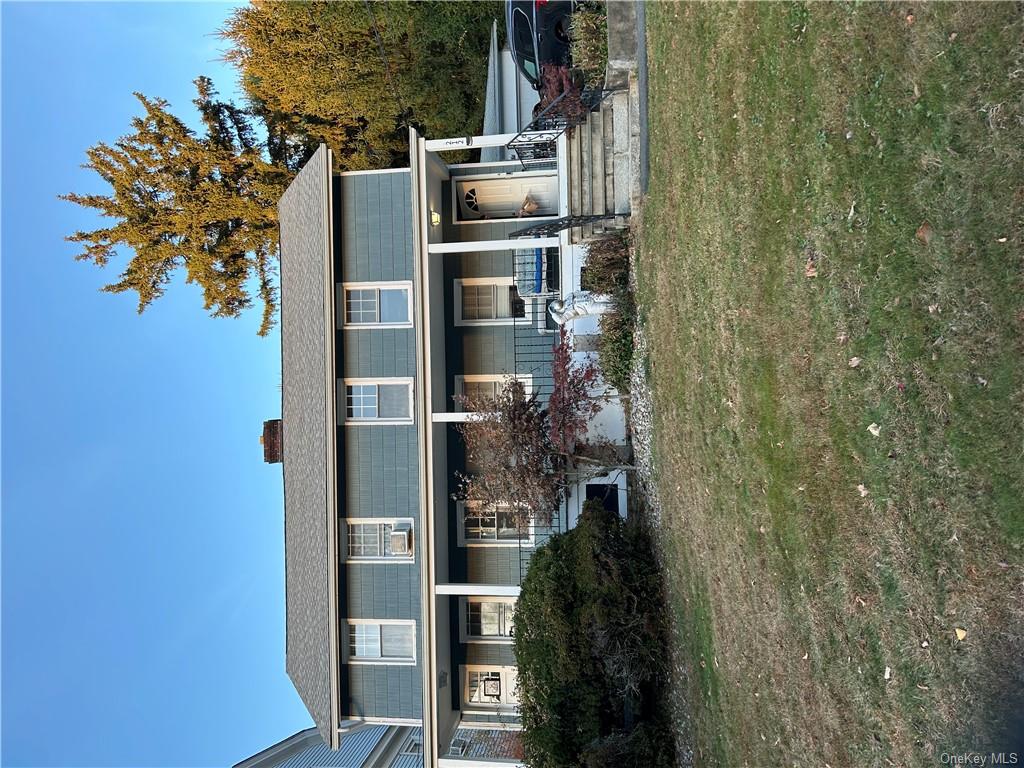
(401, 539)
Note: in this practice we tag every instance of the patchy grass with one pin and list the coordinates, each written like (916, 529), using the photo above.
(796, 153)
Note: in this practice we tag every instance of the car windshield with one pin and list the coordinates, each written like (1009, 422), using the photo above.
(522, 38)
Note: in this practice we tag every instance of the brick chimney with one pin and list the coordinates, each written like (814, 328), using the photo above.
(273, 449)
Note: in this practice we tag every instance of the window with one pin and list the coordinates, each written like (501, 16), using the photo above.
(488, 525)
(491, 687)
(487, 619)
(382, 642)
(370, 540)
(413, 744)
(485, 386)
(382, 401)
(378, 305)
(487, 301)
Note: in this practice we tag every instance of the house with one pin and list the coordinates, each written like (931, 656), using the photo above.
(368, 746)
(401, 289)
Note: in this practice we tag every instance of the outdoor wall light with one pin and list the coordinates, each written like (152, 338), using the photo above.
(435, 218)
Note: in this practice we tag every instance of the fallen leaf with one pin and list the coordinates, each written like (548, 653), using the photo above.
(854, 362)
(952, 36)
(983, 381)
(960, 633)
(922, 687)
(917, 92)
(1001, 240)
(924, 643)
(901, 386)
(805, 657)
(933, 308)
(910, 19)
(863, 491)
(841, 338)
(925, 233)
(888, 673)
(874, 429)
(810, 270)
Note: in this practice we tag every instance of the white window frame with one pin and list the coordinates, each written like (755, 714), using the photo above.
(391, 660)
(482, 708)
(392, 559)
(342, 302)
(464, 542)
(460, 382)
(342, 395)
(495, 281)
(465, 636)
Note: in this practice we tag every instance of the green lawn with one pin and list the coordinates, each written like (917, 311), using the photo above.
(831, 182)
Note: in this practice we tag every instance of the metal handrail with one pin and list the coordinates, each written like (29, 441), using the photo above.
(529, 147)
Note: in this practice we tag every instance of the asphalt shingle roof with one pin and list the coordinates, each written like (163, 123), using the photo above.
(306, 362)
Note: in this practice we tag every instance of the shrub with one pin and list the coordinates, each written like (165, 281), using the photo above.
(589, 639)
(557, 83)
(615, 350)
(589, 47)
(607, 263)
(607, 271)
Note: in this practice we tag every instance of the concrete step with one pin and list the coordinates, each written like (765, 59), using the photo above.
(609, 157)
(596, 123)
(635, 190)
(620, 144)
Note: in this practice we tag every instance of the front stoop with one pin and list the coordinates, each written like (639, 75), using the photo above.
(604, 152)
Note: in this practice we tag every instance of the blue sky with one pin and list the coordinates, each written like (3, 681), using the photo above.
(142, 552)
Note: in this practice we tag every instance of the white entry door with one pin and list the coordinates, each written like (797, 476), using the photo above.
(502, 197)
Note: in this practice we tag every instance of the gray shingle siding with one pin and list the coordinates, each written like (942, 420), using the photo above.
(381, 471)
(380, 467)
(384, 690)
(376, 241)
(493, 654)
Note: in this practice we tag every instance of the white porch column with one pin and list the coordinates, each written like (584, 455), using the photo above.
(472, 246)
(494, 140)
(449, 417)
(477, 590)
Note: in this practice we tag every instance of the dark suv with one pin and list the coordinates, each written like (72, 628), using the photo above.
(538, 33)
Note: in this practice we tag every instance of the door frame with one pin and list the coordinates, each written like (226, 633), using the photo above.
(486, 176)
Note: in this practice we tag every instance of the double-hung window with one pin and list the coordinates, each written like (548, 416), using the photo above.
(381, 642)
(376, 305)
(477, 387)
(487, 301)
(370, 540)
(488, 524)
(487, 619)
(387, 401)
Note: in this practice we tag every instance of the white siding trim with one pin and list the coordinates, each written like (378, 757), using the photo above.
(374, 171)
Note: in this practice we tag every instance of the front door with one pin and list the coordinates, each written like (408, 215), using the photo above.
(503, 197)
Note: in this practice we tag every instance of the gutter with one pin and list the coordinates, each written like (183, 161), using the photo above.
(424, 434)
(334, 662)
